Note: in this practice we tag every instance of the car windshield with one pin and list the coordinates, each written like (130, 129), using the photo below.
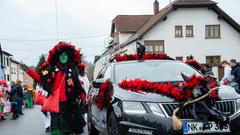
(155, 71)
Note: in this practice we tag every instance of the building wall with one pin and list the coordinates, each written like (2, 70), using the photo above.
(227, 46)
(6, 64)
(27, 80)
(21, 74)
(100, 63)
(14, 71)
(124, 36)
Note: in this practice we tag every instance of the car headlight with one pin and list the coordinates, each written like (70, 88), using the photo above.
(133, 108)
(238, 105)
(155, 108)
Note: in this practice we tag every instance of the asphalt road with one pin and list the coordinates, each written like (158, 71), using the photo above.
(31, 123)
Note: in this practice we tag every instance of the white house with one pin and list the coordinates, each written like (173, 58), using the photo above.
(16, 71)
(6, 63)
(183, 28)
(12, 69)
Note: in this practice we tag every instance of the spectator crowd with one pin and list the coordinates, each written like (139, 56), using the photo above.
(13, 97)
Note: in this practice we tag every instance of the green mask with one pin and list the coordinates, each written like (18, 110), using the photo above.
(63, 58)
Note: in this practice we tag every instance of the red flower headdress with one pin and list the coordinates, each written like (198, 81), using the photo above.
(64, 46)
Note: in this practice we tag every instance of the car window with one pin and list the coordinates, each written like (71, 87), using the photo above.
(156, 71)
(107, 73)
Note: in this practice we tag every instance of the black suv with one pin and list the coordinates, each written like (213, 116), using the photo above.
(133, 113)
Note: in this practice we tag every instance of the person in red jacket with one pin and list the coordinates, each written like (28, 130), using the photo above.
(59, 76)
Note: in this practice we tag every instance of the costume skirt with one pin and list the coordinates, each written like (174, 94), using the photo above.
(69, 119)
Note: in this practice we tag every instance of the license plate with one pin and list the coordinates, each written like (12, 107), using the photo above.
(197, 127)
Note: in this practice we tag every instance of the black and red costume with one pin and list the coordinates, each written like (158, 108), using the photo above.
(62, 81)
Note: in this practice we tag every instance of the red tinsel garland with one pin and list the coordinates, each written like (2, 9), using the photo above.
(179, 93)
(127, 57)
(104, 95)
(194, 63)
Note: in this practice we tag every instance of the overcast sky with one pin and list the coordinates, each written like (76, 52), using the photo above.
(28, 27)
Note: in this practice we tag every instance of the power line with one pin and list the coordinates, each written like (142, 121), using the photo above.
(47, 40)
(56, 10)
(37, 49)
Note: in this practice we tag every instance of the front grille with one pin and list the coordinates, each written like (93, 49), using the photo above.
(227, 107)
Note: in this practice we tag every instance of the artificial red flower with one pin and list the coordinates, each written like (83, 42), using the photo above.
(214, 95)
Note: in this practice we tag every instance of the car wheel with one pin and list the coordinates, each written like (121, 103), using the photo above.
(91, 128)
(112, 125)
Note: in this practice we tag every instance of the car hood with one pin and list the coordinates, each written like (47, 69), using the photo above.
(225, 93)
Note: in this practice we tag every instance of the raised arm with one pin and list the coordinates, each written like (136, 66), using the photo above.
(32, 73)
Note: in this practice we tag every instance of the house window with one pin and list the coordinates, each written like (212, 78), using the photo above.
(4, 61)
(8, 77)
(116, 38)
(212, 31)
(178, 31)
(189, 31)
(180, 58)
(213, 60)
(156, 46)
(7, 62)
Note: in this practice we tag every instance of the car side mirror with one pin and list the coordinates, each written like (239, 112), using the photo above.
(98, 82)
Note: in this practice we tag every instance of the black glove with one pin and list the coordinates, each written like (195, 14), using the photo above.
(24, 67)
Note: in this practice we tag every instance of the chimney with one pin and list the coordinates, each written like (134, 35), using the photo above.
(155, 7)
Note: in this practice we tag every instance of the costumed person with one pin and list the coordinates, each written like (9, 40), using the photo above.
(140, 49)
(29, 96)
(236, 74)
(39, 100)
(14, 101)
(59, 76)
(19, 90)
(7, 103)
(227, 78)
(3, 97)
(85, 85)
(205, 110)
(207, 70)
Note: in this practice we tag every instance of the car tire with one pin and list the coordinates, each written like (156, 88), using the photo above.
(91, 128)
(112, 125)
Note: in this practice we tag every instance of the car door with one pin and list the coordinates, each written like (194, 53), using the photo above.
(98, 115)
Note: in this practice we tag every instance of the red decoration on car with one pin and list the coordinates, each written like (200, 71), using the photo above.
(128, 57)
(104, 95)
(194, 63)
(179, 93)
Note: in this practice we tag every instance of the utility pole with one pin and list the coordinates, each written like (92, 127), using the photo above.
(1, 64)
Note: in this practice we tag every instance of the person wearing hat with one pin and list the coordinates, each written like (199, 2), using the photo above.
(19, 89)
(59, 77)
(29, 97)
